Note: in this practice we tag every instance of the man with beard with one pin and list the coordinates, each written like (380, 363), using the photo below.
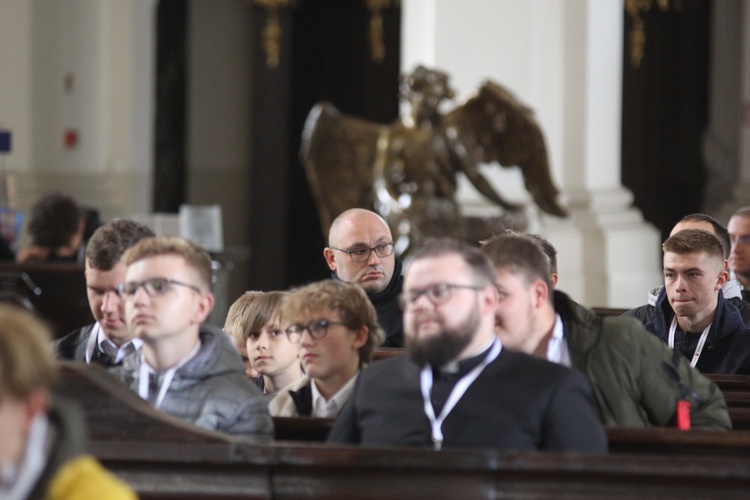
(459, 387)
(360, 251)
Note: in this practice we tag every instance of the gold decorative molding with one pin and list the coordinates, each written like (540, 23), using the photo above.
(637, 37)
(271, 32)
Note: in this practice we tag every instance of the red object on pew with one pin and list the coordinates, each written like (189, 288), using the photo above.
(683, 415)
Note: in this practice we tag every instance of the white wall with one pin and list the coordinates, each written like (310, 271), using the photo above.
(86, 65)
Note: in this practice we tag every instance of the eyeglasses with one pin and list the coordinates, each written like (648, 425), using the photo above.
(437, 294)
(741, 240)
(363, 254)
(154, 287)
(316, 329)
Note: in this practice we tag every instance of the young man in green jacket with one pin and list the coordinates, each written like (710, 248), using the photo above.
(637, 379)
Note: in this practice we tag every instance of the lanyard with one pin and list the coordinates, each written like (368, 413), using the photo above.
(698, 348)
(144, 379)
(458, 391)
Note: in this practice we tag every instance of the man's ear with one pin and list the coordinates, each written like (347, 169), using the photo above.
(723, 278)
(553, 278)
(205, 306)
(539, 293)
(330, 258)
(360, 337)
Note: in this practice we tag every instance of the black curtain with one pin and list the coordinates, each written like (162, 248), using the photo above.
(665, 113)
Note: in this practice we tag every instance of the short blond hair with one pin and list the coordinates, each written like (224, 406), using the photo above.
(195, 256)
(250, 312)
(348, 299)
(26, 362)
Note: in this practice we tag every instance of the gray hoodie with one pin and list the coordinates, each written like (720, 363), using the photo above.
(210, 390)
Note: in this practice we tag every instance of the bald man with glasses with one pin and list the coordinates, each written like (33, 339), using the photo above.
(360, 251)
(458, 387)
(187, 369)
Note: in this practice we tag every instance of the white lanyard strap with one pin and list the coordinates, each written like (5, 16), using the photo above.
(698, 348)
(145, 371)
(458, 391)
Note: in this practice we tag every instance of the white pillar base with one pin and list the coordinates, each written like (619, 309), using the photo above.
(608, 256)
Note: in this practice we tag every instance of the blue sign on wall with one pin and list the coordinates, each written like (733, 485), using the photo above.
(4, 141)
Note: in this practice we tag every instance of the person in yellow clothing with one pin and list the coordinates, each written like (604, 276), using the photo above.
(42, 443)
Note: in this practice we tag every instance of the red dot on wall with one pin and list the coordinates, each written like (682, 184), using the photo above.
(70, 138)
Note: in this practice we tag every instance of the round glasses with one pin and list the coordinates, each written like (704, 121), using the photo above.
(154, 287)
(363, 254)
(437, 294)
(316, 329)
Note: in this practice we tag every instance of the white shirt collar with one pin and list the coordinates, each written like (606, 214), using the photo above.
(557, 348)
(100, 339)
(331, 408)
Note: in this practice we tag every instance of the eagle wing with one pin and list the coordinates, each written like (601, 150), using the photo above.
(493, 126)
(338, 153)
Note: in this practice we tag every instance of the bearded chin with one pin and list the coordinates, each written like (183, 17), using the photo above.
(438, 350)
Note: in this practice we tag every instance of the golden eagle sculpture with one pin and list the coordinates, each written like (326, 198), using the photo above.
(407, 170)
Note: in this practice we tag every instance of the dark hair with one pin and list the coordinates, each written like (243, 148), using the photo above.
(54, 220)
(481, 266)
(719, 231)
(110, 241)
(694, 241)
(549, 250)
(520, 254)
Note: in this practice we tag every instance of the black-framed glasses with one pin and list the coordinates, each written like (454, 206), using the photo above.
(316, 329)
(154, 287)
(437, 294)
(363, 254)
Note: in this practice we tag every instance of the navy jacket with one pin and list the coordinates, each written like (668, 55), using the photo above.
(727, 348)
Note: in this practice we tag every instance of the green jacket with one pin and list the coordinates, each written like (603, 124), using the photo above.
(637, 379)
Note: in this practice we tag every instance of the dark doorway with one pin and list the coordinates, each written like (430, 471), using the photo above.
(329, 59)
(170, 171)
(665, 112)
(324, 55)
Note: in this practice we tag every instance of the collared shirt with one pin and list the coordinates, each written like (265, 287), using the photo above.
(557, 348)
(98, 339)
(330, 408)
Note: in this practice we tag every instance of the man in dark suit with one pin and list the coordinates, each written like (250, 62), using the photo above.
(107, 341)
(458, 387)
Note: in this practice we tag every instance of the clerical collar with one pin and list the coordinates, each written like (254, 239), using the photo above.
(467, 364)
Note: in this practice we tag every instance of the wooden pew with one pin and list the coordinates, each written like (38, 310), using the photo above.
(164, 458)
(57, 291)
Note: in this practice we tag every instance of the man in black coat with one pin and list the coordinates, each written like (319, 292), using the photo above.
(458, 387)
(360, 250)
(107, 341)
